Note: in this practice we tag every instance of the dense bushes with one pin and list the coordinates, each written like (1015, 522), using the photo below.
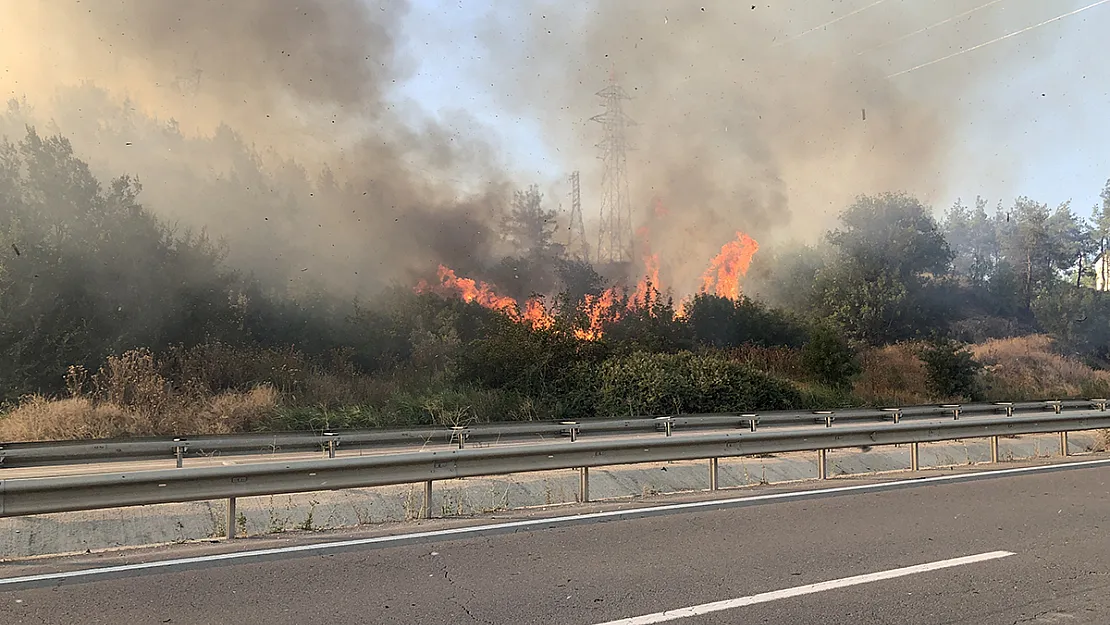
(664, 384)
(721, 322)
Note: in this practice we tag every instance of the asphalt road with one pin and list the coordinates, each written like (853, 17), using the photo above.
(1053, 523)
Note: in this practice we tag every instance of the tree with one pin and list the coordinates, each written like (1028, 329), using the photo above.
(89, 272)
(888, 249)
(787, 277)
(1100, 227)
(529, 227)
(1038, 244)
(892, 231)
(974, 242)
(577, 278)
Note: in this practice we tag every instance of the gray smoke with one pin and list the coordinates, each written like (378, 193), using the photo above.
(743, 124)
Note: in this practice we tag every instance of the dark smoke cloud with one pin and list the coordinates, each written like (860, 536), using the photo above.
(271, 123)
(743, 124)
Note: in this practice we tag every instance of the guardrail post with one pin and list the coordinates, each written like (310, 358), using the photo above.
(459, 432)
(1008, 405)
(712, 474)
(1063, 443)
(955, 408)
(668, 424)
(231, 518)
(821, 474)
(753, 420)
(571, 431)
(828, 415)
(179, 451)
(427, 511)
(896, 413)
(914, 464)
(584, 485)
(332, 440)
(1099, 403)
(994, 449)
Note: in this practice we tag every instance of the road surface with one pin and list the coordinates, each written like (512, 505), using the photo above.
(1025, 546)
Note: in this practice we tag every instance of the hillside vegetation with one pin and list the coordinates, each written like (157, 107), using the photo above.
(113, 323)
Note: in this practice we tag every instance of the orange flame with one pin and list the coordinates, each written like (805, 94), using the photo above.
(725, 270)
(469, 290)
(536, 315)
(598, 309)
(472, 291)
(647, 288)
(722, 278)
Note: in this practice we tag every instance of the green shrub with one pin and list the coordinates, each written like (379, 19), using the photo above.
(830, 358)
(664, 384)
(952, 370)
(721, 322)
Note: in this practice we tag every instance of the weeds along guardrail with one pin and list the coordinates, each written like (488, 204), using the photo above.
(25, 496)
(17, 455)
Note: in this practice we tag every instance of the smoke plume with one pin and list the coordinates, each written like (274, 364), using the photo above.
(227, 110)
(766, 118)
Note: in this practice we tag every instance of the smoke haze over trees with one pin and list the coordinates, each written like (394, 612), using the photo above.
(216, 178)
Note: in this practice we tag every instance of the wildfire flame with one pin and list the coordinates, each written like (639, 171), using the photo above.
(468, 290)
(535, 314)
(646, 289)
(722, 278)
(473, 291)
(598, 309)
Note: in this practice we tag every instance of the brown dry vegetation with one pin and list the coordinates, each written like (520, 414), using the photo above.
(893, 375)
(1027, 367)
(129, 397)
(38, 418)
(217, 389)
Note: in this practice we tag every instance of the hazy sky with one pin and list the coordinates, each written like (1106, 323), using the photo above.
(1038, 127)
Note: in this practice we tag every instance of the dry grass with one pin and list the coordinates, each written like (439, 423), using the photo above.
(38, 418)
(892, 376)
(1026, 367)
(782, 362)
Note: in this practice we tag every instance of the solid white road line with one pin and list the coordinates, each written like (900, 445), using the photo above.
(808, 589)
(458, 532)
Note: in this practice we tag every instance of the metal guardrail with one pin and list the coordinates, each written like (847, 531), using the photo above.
(26, 496)
(13, 455)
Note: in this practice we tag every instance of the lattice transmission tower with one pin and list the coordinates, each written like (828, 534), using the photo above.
(614, 236)
(576, 242)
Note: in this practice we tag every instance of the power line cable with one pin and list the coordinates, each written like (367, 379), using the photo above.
(998, 39)
(930, 27)
(828, 23)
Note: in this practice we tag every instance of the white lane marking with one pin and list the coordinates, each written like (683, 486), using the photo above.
(530, 523)
(808, 589)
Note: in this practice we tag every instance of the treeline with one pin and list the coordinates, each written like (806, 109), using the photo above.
(88, 276)
(892, 272)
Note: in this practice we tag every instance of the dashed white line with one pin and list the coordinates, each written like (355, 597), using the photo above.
(808, 589)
